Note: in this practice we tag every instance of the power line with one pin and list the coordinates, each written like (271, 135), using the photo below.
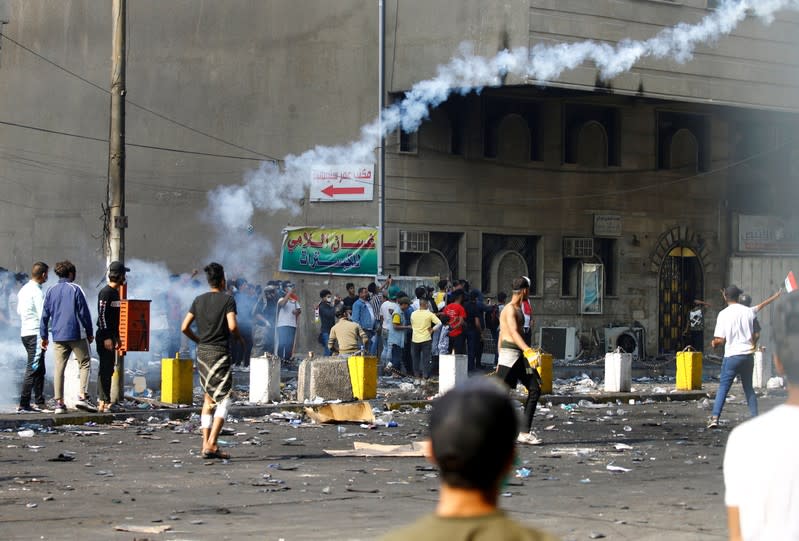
(135, 145)
(138, 106)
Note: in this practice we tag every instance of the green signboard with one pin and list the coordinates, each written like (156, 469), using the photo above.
(330, 250)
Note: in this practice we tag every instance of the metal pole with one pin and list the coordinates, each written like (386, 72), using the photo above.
(116, 167)
(381, 158)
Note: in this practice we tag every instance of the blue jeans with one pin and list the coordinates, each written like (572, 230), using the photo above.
(374, 342)
(285, 341)
(741, 365)
(323, 338)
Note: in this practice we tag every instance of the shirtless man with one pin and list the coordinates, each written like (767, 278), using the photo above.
(515, 356)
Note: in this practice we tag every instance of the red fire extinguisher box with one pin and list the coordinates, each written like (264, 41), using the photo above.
(134, 325)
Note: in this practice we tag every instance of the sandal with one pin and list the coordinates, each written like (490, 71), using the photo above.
(215, 454)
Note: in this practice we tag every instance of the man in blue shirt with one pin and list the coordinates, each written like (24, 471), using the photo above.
(363, 315)
(66, 313)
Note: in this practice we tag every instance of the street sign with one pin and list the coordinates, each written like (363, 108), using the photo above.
(346, 182)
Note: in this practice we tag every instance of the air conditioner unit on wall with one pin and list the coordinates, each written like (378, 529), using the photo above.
(561, 342)
(578, 247)
(414, 242)
(629, 339)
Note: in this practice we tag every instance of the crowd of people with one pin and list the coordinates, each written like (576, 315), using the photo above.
(409, 330)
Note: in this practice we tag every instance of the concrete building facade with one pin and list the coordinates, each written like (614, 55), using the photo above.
(623, 199)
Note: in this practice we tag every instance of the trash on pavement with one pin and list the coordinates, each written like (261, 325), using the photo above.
(613, 468)
(523, 473)
(356, 412)
(361, 448)
(161, 528)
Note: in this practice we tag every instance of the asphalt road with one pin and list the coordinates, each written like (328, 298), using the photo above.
(281, 485)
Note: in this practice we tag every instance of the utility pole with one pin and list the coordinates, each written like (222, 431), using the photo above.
(118, 221)
(381, 105)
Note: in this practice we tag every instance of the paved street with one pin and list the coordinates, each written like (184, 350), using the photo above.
(281, 485)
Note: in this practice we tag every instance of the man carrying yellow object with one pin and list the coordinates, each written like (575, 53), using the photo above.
(516, 356)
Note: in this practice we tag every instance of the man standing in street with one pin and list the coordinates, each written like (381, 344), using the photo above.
(288, 313)
(215, 315)
(326, 309)
(30, 301)
(108, 334)
(424, 323)
(734, 330)
(761, 473)
(362, 313)
(457, 322)
(65, 310)
(515, 356)
(472, 433)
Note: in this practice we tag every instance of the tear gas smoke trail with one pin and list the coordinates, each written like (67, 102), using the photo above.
(270, 189)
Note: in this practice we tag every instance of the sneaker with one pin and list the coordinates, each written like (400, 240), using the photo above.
(388, 368)
(713, 423)
(529, 438)
(86, 404)
(42, 408)
(25, 409)
(115, 408)
(59, 409)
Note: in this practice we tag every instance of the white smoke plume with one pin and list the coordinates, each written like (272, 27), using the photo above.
(269, 188)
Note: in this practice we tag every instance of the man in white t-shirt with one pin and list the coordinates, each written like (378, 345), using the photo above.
(761, 471)
(734, 331)
(387, 309)
(288, 313)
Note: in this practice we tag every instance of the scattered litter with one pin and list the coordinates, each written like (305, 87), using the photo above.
(628, 428)
(161, 528)
(373, 449)
(327, 490)
(523, 473)
(576, 451)
(506, 494)
(589, 405)
(407, 387)
(777, 382)
(27, 433)
(357, 412)
(614, 468)
(585, 481)
(596, 535)
(622, 447)
(62, 457)
(31, 505)
(363, 490)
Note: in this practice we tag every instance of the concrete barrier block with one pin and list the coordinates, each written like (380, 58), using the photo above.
(452, 371)
(618, 372)
(327, 377)
(762, 370)
(264, 379)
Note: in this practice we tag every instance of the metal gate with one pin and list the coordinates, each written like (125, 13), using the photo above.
(681, 282)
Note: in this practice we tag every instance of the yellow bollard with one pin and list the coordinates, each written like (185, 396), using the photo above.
(176, 380)
(544, 370)
(689, 370)
(363, 376)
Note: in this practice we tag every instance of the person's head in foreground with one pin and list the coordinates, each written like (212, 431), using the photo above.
(473, 431)
(761, 471)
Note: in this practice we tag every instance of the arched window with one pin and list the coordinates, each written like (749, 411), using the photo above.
(592, 145)
(513, 139)
(436, 132)
(433, 263)
(684, 151)
(506, 266)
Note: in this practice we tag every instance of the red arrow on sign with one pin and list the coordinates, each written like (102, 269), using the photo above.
(330, 191)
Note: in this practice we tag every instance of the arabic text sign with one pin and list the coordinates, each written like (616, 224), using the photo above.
(768, 234)
(346, 182)
(330, 250)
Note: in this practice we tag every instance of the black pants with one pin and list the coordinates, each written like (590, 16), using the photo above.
(33, 383)
(458, 343)
(521, 371)
(105, 370)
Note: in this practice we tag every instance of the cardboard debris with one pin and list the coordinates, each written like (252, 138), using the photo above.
(143, 529)
(354, 412)
(415, 448)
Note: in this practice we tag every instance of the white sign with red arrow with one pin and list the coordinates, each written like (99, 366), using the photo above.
(347, 182)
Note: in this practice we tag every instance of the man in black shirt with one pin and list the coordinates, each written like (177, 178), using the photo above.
(351, 297)
(107, 337)
(327, 317)
(214, 313)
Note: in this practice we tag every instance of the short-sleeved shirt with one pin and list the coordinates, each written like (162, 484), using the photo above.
(761, 472)
(210, 312)
(484, 528)
(735, 324)
(455, 312)
(422, 322)
(285, 314)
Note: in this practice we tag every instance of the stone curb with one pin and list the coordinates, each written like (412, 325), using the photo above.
(14, 420)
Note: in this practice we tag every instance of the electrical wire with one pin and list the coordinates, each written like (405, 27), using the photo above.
(141, 107)
(128, 144)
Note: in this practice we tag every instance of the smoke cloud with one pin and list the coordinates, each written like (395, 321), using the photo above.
(269, 188)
